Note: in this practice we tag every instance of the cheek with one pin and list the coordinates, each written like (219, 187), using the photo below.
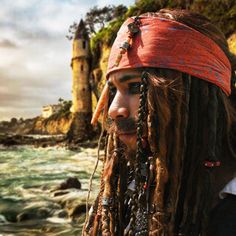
(134, 105)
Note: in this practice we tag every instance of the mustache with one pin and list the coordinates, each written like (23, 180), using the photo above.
(121, 125)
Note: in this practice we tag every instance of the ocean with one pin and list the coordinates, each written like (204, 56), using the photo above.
(28, 178)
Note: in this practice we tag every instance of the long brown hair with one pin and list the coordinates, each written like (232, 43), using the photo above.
(197, 117)
(190, 124)
(193, 125)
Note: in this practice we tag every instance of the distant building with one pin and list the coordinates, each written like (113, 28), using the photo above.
(81, 92)
(48, 110)
(80, 63)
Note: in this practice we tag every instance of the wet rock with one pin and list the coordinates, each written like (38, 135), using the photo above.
(40, 213)
(37, 141)
(61, 214)
(71, 182)
(10, 141)
(67, 199)
(3, 219)
(44, 145)
(10, 208)
(37, 210)
(43, 213)
(60, 193)
(77, 210)
(45, 187)
(25, 216)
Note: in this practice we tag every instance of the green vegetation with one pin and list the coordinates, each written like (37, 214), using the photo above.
(103, 23)
(105, 36)
(97, 18)
(220, 12)
(63, 112)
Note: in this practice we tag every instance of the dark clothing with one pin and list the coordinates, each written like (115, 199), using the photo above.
(223, 218)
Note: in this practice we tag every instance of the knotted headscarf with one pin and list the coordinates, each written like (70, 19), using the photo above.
(165, 43)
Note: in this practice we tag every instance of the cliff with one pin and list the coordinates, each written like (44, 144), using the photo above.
(232, 43)
(38, 125)
(104, 54)
(52, 126)
(221, 13)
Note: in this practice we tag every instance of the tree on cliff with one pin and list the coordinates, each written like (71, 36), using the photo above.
(220, 12)
(13, 121)
(97, 18)
(60, 100)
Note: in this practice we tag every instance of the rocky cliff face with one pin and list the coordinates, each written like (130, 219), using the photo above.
(17, 126)
(232, 43)
(38, 125)
(60, 125)
(104, 60)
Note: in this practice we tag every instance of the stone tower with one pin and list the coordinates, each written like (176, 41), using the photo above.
(81, 94)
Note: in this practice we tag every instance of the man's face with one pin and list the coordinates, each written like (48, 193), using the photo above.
(125, 87)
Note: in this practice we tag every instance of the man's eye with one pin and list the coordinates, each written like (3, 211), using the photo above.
(112, 91)
(134, 88)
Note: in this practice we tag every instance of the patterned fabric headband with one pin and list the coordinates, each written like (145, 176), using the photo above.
(163, 43)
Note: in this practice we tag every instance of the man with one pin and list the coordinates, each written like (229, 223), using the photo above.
(169, 149)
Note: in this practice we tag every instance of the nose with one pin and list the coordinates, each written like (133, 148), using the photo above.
(119, 107)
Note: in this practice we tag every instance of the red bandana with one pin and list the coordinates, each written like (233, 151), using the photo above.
(164, 43)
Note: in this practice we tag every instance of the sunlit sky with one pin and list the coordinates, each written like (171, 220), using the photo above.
(35, 54)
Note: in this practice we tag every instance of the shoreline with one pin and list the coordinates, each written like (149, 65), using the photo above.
(46, 189)
(43, 141)
(8, 140)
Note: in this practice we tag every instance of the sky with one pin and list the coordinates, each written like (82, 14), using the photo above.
(35, 55)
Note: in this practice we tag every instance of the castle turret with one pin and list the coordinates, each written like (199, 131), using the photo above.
(81, 93)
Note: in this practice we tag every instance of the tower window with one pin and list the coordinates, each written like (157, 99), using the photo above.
(82, 68)
(84, 44)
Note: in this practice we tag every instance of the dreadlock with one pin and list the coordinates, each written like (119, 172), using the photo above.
(190, 122)
(138, 221)
(171, 186)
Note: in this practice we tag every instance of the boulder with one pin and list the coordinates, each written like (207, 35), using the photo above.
(40, 213)
(3, 219)
(71, 182)
(77, 210)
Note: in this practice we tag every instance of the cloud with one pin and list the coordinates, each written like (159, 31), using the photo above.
(35, 54)
(114, 2)
(6, 43)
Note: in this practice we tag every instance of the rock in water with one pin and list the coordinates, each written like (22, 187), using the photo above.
(71, 182)
(3, 219)
(33, 214)
(77, 210)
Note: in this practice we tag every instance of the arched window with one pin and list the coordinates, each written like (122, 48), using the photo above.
(82, 68)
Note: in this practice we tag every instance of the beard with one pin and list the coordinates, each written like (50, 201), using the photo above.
(125, 126)
(121, 125)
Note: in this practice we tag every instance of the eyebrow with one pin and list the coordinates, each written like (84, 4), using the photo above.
(123, 79)
(128, 77)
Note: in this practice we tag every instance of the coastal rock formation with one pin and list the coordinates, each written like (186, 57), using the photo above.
(38, 125)
(13, 140)
(15, 126)
(71, 182)
(60, 125)
(232, 43)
